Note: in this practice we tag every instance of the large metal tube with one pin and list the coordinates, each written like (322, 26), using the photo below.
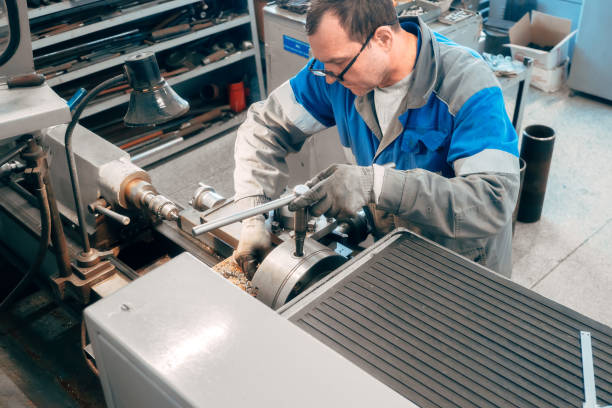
(536, 150)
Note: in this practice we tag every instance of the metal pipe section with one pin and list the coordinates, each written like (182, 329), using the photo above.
(536, 150)
(205, 197)
(251, 212)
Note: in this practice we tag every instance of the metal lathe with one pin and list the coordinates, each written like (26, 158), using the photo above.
(328, 319)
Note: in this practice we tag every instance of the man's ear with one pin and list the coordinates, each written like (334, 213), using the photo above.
(384, 37)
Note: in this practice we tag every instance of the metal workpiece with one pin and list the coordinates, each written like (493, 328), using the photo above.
(282, 275)
(205, 197)
(537, 150)
(142, 194)
(251, 212)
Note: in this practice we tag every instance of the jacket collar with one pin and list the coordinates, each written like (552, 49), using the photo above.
(421, 84)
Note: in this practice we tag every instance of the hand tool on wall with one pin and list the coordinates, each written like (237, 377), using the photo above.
(170, 31)
(25, 80)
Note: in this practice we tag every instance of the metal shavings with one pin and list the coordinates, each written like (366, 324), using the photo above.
(231, 271)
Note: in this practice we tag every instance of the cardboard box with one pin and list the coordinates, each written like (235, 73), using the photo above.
(546, 31)
(549, 80)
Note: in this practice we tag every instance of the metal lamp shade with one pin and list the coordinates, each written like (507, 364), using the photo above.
(152, 100)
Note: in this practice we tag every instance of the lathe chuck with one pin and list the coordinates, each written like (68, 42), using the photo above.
(282, 275)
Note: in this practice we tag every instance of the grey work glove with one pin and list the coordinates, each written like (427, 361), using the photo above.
(254, 244)
(338, 191)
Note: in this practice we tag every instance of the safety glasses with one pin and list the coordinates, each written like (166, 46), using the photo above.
(340, 76)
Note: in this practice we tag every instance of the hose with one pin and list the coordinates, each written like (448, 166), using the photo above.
(76, 190)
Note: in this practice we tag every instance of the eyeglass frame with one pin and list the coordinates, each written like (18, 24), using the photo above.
(340, 77)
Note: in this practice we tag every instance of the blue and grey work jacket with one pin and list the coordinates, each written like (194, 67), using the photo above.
(456, 174)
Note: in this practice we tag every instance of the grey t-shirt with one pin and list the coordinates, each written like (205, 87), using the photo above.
(387, 100)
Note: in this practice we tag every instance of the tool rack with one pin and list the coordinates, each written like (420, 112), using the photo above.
(138, 16)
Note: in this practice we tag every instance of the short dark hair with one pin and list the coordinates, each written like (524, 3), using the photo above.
(358, 17)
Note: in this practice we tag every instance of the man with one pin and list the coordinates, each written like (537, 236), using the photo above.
(424, 117)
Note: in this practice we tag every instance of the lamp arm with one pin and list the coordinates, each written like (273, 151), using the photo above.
(76, 190)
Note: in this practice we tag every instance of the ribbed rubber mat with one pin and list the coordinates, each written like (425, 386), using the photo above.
(445, 332)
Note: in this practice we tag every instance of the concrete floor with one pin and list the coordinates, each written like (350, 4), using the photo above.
(566, 256)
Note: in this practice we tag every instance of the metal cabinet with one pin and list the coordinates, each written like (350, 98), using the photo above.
(592, 58)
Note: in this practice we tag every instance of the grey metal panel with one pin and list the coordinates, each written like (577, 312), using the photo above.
(592, 57)
(26, 110)
(444, 331)
(186, 336)
(91, 152)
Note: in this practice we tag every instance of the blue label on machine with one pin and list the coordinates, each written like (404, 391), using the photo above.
(296, 46)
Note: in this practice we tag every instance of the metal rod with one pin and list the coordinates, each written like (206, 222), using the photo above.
(156, 149)
(300, 226)
(122, 219)
(14, 152)
(239, 216)
(588, 375)
(76, 190)
(251, 212)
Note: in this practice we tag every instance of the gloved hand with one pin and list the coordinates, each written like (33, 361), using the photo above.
(338, 191)
(254, 244)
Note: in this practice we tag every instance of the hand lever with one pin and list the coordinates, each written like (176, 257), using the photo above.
(260, 209)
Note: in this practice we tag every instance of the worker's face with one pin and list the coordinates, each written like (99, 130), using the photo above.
(332, 46)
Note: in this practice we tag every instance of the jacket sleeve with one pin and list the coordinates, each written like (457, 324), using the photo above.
(469, 206)
(274, 128)
(477, 202)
